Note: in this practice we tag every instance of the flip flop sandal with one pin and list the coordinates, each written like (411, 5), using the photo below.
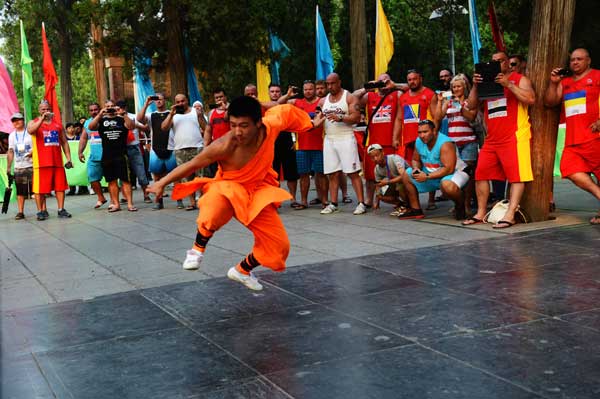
(191, 207)
(471, 221)
(295, 205)
(595, 221)
(315, 201)
(503, 224)
(112, 209)
(132, 209)
(99, 204)
(431, 207)
(300, 207)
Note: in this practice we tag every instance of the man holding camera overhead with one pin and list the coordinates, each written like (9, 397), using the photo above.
(48, 170)
(188, 124)
(506, 154)
(579, 88)
(382, 108)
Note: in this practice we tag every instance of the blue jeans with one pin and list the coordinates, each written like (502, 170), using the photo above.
(136, 162)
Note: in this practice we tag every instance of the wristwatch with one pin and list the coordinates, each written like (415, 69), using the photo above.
(341, 119)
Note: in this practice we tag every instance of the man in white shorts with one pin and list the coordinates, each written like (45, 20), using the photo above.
(340, 151)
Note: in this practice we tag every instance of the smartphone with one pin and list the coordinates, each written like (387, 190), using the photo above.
(416, 171)
(154, 98)
(213, 106)
(564, 72)
(179, 109)
(318, 109)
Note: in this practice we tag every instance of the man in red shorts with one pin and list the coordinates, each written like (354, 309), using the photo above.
(48, 170)
(506, 154)
(381, 126)
(580, 94)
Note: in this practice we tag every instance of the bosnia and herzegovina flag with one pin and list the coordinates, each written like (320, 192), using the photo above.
(575, 103)
(384, 41)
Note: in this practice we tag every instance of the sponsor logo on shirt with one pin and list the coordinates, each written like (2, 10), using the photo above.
(575, 103)
(497, 108)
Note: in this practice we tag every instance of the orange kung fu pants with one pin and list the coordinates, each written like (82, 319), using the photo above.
(271, 243)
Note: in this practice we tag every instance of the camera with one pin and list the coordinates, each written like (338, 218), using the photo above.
(111, 110)
(565, 72)
(213, 106)
(179, 109)
(380, 84)
(154, 98)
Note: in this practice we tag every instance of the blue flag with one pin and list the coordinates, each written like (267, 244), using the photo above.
(277, 47)
(474, 27)
(192, 81)
(142, 64)
(324, 56)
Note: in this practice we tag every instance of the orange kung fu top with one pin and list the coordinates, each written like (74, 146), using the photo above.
(254, 186)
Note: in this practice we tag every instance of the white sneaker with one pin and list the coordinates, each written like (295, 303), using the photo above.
(192, 260)
(360, 209)
(249, 281)
(329, 209)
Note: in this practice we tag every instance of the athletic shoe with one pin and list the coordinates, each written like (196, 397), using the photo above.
(46, 214)
(158, 206)
(62, 213)
(360, 209)
(249, 281)
(20, 216)
(180, 204)
(192, 260)
(412, 214)
(329, 209)
(41, 216)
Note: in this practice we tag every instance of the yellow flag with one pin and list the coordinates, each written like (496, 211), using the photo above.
(384, 42)
(263, 80)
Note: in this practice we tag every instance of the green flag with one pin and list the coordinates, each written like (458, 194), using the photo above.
(26, 62)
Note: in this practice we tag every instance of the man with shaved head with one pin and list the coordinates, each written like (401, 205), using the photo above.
(580, 93)
(187, 123)
(382, 107)
(251, 90)
(340, 151)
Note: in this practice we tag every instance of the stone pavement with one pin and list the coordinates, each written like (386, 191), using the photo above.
(97, 306)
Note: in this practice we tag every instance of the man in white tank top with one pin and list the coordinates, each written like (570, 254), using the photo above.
(188, 124)
(340, 152)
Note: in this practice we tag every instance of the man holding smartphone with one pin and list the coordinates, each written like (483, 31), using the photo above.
(506, 153)
(49, 174)
(188, 124)
(579, 89)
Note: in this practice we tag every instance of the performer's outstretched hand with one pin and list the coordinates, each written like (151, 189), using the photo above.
(156, 188)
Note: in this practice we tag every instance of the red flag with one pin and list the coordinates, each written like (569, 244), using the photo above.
(497, 33)
(50, 78)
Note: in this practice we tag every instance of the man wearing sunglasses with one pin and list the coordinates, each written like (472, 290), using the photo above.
(517, 64)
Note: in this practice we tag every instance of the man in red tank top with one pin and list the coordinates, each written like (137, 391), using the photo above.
(218, 123)
(309, 154)
(506, 153)
(380, 128)
(580, 94)
(48, 171)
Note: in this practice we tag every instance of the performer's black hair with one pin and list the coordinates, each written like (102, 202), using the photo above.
(245, 106)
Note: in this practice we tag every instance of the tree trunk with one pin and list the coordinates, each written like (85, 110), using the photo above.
(548, 48)
(175, 56)
(98, 60)
(66, 86)
(358, 42)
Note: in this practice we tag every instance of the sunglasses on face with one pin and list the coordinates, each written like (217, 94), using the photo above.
(513, 64)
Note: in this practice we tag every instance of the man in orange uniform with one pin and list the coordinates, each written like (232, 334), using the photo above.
(245, 186)
(48, 171)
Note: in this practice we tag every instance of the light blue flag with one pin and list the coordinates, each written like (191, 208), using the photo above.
(192, 81)
(474, 27)
(277, 47)
(324, 56)
(142, 64)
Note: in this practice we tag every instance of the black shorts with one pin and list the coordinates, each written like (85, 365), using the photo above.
(24, 181)
(116, 168)
(285, 157)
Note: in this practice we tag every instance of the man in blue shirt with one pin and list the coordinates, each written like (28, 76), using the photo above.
(94, 166)
(435, 166)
